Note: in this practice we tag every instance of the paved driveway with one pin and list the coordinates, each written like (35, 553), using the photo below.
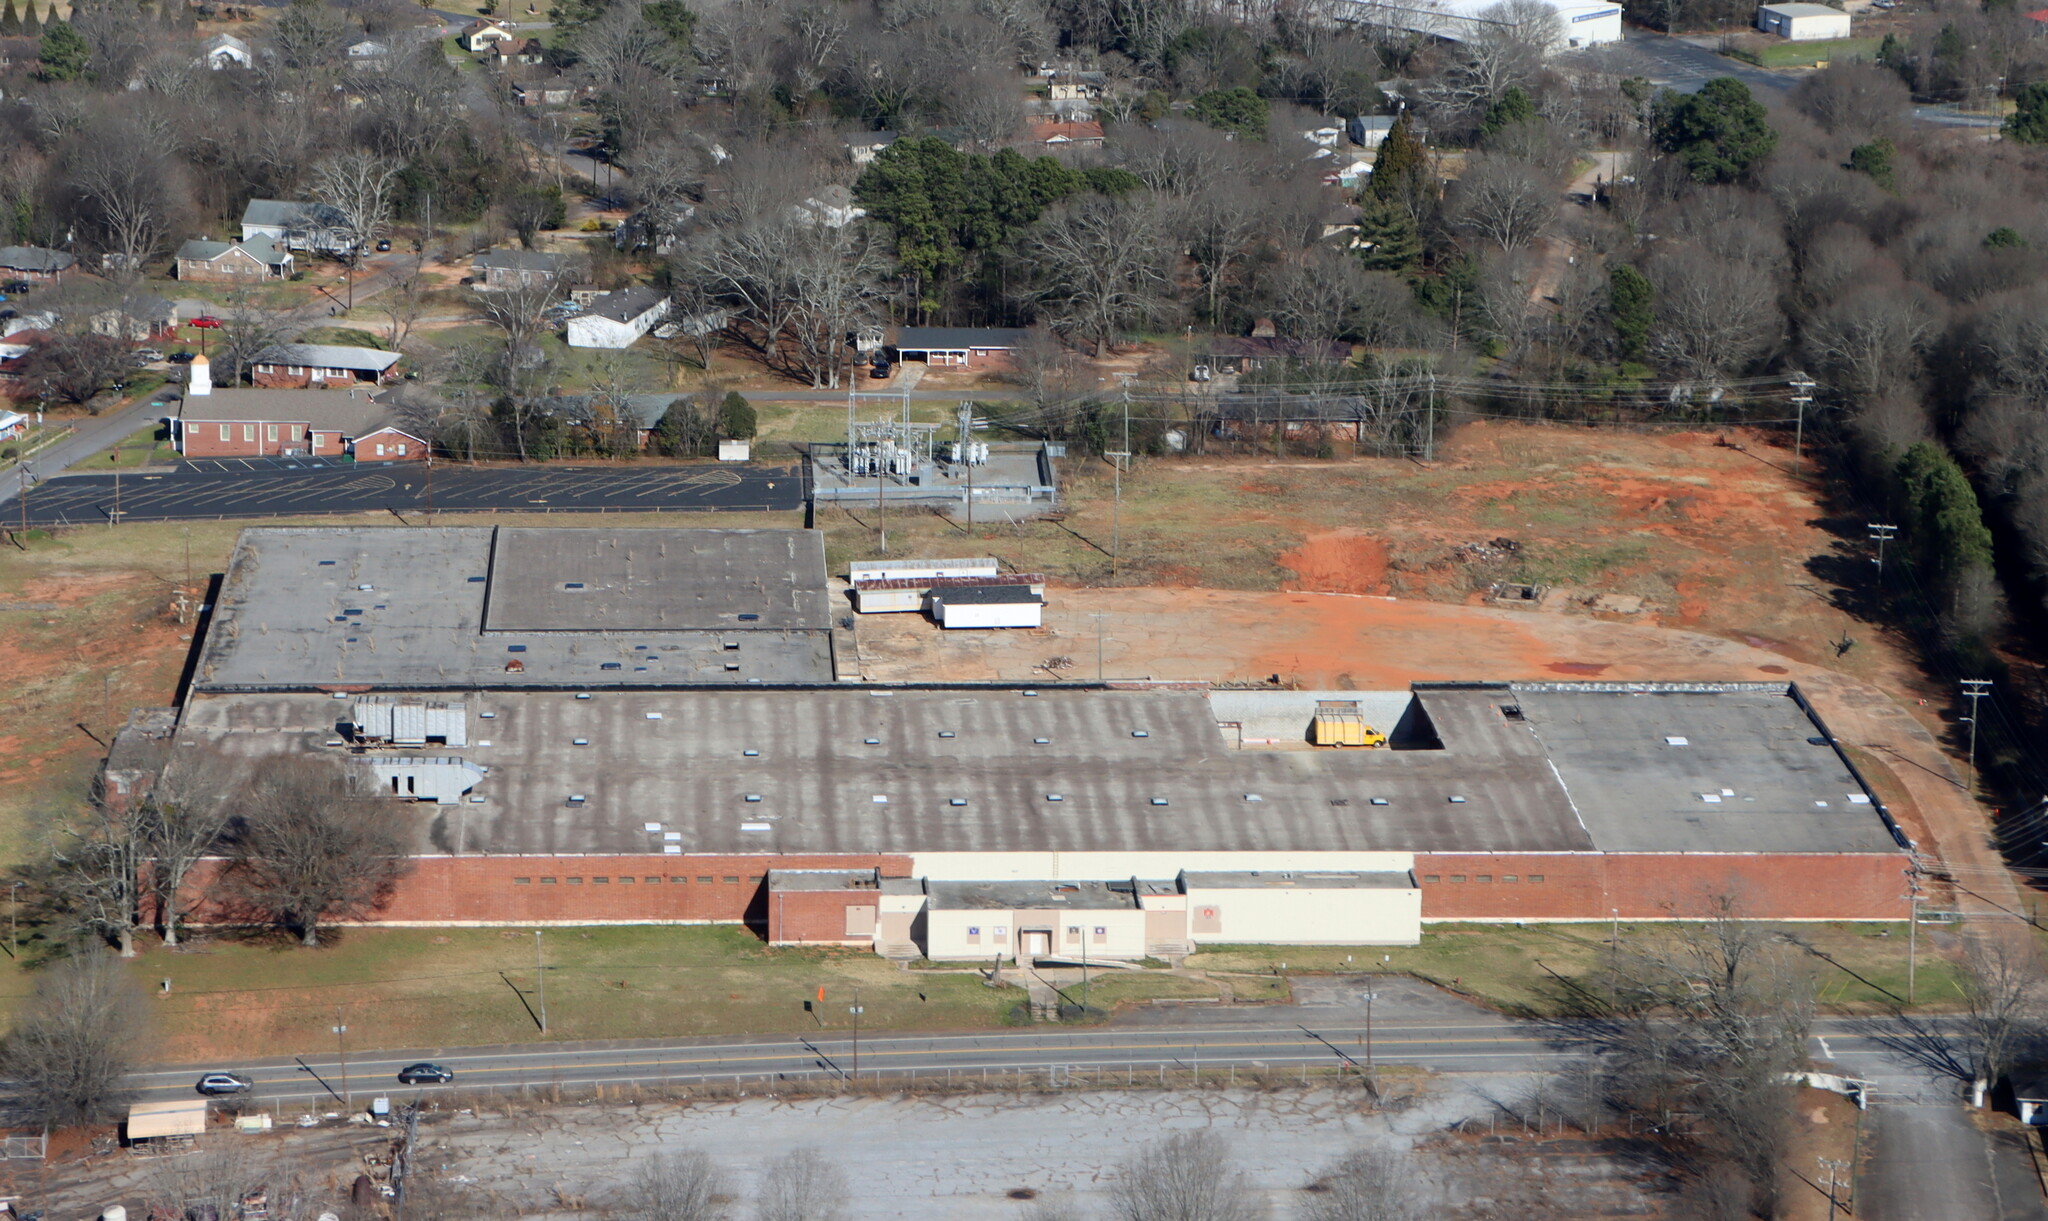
(189, 494)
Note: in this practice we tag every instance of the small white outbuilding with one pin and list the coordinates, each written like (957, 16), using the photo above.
(972, 606)
(1802, 22)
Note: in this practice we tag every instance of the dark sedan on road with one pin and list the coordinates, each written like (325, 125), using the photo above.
(425, 1074)
(224, 1083)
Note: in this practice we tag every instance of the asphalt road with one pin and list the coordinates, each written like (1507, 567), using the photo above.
(217, 491)
(1930, 1161)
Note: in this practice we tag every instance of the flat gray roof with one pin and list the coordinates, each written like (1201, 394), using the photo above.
(1674, 771)
(547, 580)
(870, 770)
(438, 608)
(1031, 895)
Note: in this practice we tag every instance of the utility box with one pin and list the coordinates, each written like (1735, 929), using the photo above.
(1340, 723)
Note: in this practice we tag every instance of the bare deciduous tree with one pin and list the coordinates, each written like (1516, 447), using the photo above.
(802, 1185)
(183, 817)
(1098, 266)
(682, 1185)
(1715, 315)
(68, 1056)
(1509, 201)
(359, 186)
(124, 179)
(1186, 1177)
(308, 849)
(2005, 1002)
(1366, 1184)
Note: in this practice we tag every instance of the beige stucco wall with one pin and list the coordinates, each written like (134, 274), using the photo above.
(948, 936)
(1305, 915)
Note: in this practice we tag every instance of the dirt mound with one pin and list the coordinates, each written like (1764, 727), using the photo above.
(1338, 562)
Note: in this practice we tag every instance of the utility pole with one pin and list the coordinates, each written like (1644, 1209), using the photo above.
(1098, 616)
(1802, 394)
(1429, 424)
(13, 923)
(856, 1010)
(1833, 1168)
(1117, 459)
(540, 976)
(1912, 931)
(1974, 689)
(341, 1040)
(1881, 534)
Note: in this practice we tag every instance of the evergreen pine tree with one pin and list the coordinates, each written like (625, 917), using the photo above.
(1399, 163)
(10, 21)
(30, 26)
(1388, 239)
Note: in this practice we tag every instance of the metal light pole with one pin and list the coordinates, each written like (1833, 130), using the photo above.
(341, 1040)
(1881, 534)
(1371, 1073)
(540, 975)
(1912, 934)
(856, 1010)
(1802, 394)
(13, 925)
(1974, 689)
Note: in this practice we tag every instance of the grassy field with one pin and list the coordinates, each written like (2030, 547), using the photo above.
(404, 988)
(1781, 54)
(1537, 968)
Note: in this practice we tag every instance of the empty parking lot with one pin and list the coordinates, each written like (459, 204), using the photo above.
(218, 490)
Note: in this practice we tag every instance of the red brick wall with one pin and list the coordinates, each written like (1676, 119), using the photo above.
(1650, 886)
(456, 890)
(201, 438)
(815, 915)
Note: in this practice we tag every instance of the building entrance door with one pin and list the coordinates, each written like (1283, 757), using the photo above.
(1037, 942)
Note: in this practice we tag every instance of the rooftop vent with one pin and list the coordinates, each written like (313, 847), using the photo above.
(576, 799)
(579, 741)
(1159, 801)
(1054, 797)
(1676, 740)
(1139, 733)
(957, 801)
(751, 754)
(1041, 741)
(654, 716)
(1457, 801)
(1380, 801)
(946, 733)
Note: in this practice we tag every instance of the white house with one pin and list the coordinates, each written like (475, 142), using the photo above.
(369, 54)
(1582, 23)
(617, 319)
(1802, 22)
(224, 51)
(296, 225)
(482, 35)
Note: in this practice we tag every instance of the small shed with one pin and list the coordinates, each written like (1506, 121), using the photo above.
(972, 606)
(166, 1122)
(1802, 22)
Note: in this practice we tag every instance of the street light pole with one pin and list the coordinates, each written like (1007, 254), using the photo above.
(855, 1010)
(540, 975)
(341, 1040)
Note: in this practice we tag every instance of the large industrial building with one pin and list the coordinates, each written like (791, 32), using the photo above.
(642, 726)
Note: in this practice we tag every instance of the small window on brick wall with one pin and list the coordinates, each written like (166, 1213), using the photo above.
(575, 881)
(1432, 878)
(600, 881)
(754, 880)
(1508, 877)
(656, 881)
(627, 881)
(522, 881)
(1535, 877)
(1457, 877)
(547, 881)
(732, 881)
(701, 881)
(1484, 877)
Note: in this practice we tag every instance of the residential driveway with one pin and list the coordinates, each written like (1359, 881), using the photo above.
(93, 435)
(189, 494)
